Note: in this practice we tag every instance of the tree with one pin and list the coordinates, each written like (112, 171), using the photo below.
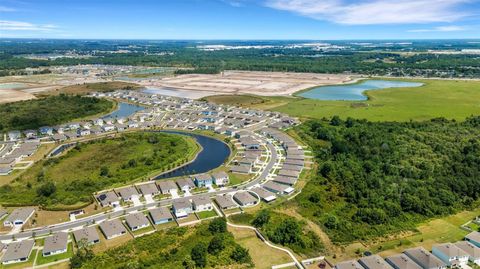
(217, 244)
(262, 218)
(218, 225)
(47, 189)
(84, 253)
(240, 255)
(104, 172)
(199, 254)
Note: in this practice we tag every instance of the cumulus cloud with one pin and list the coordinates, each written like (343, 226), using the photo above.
(25, 26)
(374, 11)
(451, 28)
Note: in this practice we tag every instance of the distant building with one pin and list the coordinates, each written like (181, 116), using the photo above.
(472, 251)
(185, 184)
(108, 198)
(148, 189)
(127, 193)
(167, 186)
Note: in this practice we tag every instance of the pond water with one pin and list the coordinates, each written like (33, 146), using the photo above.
(124, 110)
(191, 94)
(354, 92)
(213, 155)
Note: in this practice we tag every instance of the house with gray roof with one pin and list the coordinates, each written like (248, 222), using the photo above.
(352, 264)
(450, 254)
(182, 207)
(89, 234)
(149, 188)
(277, 188)
(472, 251)
(112, 228)
(55, 244)
(220, 178)
(402, 261)
(185, 184)
(137, 221)
(19, 216)
(289, 173)
(160, 215)
(265, 195)
(425, 259)
(290, 181)
(244, 198)
(166, 186)
(374, 262)
(127, 193)
(202, 203)
(108, 198)
(18, 251)
(474, 238)
(203, 180)
(241, 169)
(225, 202)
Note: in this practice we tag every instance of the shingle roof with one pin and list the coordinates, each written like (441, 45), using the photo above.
(348, 265)
(244, 198)
(160, 213)
(127, 192)
(225, 201)
(374, 262)
(136, 220)
(469, 248)
(55, 242)
(88, 233)
(112, 227)
(20, 214)
(148, 188)
(166, 185)
(402, 261)
(18, 250)
(424, 258)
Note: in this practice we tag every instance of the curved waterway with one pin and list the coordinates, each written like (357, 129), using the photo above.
(214, 153)
(124, 110)
(354, 92)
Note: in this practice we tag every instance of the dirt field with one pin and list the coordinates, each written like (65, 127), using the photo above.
(247, 82)
(10, 95)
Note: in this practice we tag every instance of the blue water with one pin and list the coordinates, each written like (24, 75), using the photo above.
(124, 110)
(213, 155)
(354, 92)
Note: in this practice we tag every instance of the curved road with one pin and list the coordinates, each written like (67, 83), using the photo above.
(115, 214)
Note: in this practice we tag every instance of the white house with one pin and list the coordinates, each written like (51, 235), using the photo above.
(202, 203)
(220, 178)
(450, 254)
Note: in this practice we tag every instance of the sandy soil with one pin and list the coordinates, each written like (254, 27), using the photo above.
(247, 82)
(8, 95)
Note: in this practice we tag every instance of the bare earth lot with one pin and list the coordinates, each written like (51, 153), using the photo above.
(248, 82)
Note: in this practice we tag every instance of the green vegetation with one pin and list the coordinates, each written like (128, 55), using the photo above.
(49, 111)
(71, 180)
(54, 258)
(86, 88)
(206, 214)
(380, 178)
(284, 230)
(437, 98)
(195, 247)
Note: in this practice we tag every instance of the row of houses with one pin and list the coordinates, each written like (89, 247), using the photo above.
(13, 152)
(451, 255)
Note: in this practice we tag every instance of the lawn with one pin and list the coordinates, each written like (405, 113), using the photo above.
(437, 98)
(44, 260)
(236, 179)
(207, 214)
(70, 180)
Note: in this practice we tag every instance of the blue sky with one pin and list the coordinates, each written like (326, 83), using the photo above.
(240, 19)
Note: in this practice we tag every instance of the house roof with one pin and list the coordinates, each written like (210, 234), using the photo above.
(181, 204)
(353, 264)
(185, 181)
(402, 261)
(107, 197)
(127, 192)
(201, 200)
(289, 173)
(221, 174)
(285, 180)
(244, 198)
(374, 262)
(225, 201)
(160, 213)
(55, 242)
(450, 250)
(18, 250)
(469, 248)
(264, 194)
(112, 227)
(148, 188)
(240, 169)
(88, 233)
(473, 236)
(276, 187)
(136, 220)
(203, 177)
(166, 185)
(424, 258)
(22, 214)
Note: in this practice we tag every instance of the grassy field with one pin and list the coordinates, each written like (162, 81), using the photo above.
(97, 165)
(86, 88)
(44, 260)
(437, 98)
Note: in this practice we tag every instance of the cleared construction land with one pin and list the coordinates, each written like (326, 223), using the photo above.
(247, 82)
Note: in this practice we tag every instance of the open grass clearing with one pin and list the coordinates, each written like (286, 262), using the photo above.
(207, 214)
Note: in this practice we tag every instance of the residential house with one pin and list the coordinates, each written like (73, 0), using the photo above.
(19, 216)
(472, 251)
(14, 135)
(425, 259)
(30, 134)
(137, 221)
(202, 203)
(265, 195)
(108, 198)
(185, 184)
(18, 251)
(277, 188)
(241, 169)
(244, 198)
(108, 128)
(127, 193)
(55, 244)
(225, 202)
(160, 215)
(148, 189)
(167, 186)
(203, 180)
(474, 238)
(182, 207)
(352, 264)
(290, 181)
(220, 178)
(87, 234)
(46, 130)
(402, 261)
(112, 228)
(450, 254)
(374, 262)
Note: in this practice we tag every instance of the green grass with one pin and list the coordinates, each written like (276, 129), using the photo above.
(236, 179)
(437, 98)
(147, 229)
(207, 214)
(78, 174)
(44, 260)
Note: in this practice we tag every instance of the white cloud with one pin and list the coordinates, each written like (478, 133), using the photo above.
(451, 28)
(374, 11)
(25, 26)
(6, 9)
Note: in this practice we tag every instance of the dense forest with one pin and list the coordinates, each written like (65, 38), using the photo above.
(381, 59)
(49, 111)
(208, 245)
(376, 178)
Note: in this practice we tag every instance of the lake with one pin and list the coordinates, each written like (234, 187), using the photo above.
(124, 110)
(354, 92)
(213, 155)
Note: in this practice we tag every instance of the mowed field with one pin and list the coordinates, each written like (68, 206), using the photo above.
(437, 98)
